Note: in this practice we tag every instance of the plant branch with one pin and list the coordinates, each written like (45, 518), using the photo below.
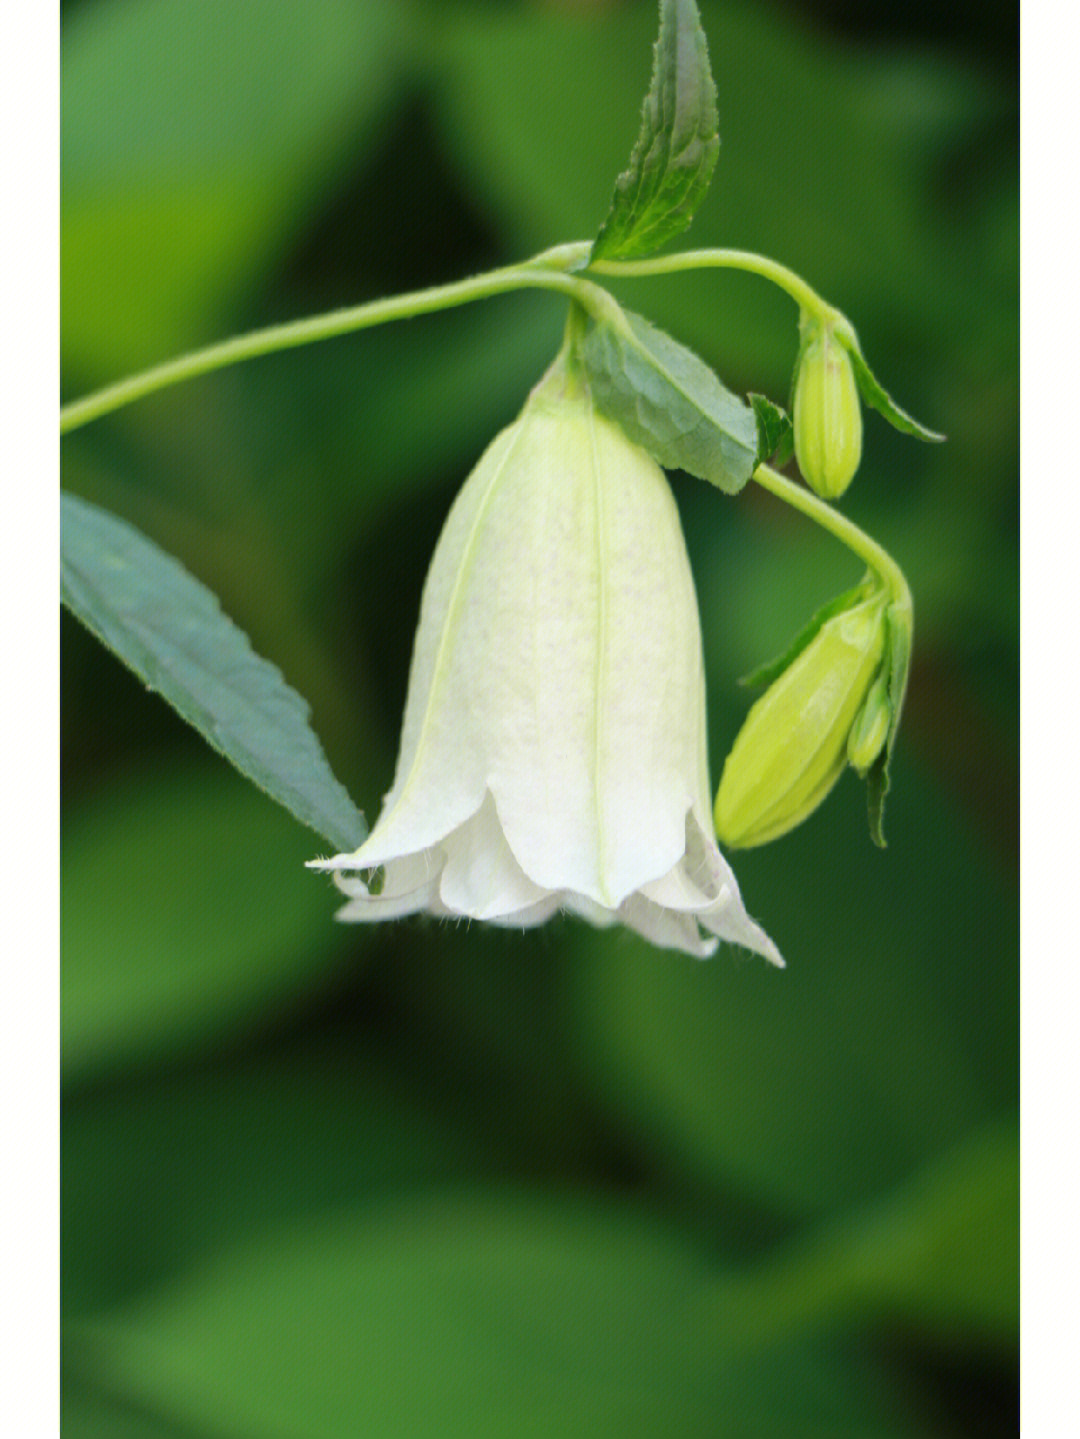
(544, 272)
(849, 534)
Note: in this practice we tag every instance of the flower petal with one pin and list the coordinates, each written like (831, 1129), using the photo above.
(553, 752)
(703, 884)
(700, 878)
(482, 879)
(408, 886)
(528, 918)
(665, 928)
(729, 921)
(401, 876)
(363, 907)
(443, 760)
(588, 909)
(593, 660)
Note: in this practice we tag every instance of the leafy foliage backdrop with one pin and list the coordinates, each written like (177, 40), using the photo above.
(428, 1180)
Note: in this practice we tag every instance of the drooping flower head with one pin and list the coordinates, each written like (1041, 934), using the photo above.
(553, 754)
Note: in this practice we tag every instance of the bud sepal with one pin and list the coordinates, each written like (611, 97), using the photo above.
(873, 391)
(871, 727)
(774, 668)
(897, 662)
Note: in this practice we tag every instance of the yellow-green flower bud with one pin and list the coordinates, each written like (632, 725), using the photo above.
(793, 744)
(871, 728)
(827, 416)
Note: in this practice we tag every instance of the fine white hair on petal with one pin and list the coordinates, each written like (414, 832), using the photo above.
(588, 909)
(377, 906)
(531, 917)
(399, 876)
(730, 922)
(667, 929)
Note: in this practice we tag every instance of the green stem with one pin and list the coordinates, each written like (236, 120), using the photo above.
(840, 528)
(804, 296)
(544, 272)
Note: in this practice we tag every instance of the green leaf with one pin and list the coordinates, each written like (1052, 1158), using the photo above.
(501, 1311)
(186, 913)
(874, 394)
(323, 1117)
(670, 402)
(899, 662)
(829, 1082)
(676, 150)
(938, 1252)
(88, 1412)
(942, 1251)
(197, 138)
(776, 435)
(773, 669)
(170, 630)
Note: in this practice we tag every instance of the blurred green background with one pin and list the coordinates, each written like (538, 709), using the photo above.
(432, 1180)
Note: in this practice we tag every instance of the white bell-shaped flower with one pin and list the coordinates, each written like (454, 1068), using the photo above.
(553, 755)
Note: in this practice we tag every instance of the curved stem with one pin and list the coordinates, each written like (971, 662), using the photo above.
(804, 296)
(544, 272)
(879, 560)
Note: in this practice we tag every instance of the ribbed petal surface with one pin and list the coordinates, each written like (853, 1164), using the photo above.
(553, 751)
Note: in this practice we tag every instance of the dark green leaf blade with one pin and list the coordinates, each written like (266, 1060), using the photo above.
(776, 434)
(167, 627)
(670, 402)
(875, 394)
(676, 151)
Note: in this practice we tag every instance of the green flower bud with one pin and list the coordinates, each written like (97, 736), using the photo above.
(827, 416)
(793, 744)
(871, 728)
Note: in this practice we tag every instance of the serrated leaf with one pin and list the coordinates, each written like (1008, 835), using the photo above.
(167, 627)
(899, 662)
(875, 394)
(676, 150)
(776, 434)
(668, 401)
(773, 669)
